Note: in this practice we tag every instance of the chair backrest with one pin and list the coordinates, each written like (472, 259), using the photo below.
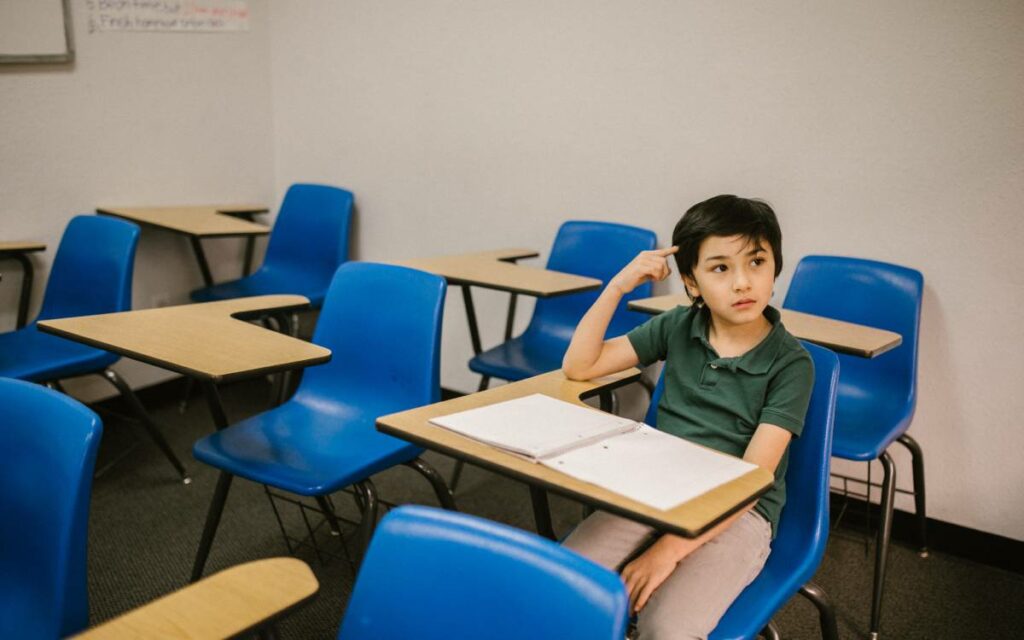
(311, 233)
(92, 269)
(500, 582)
(871, 293)
(49, 441)
(382, 324)
(804, 523)
(596, 250)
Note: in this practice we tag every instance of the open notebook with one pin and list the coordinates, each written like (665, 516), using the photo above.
(618, 454)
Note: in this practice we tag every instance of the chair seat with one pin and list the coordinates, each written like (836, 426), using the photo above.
(267, 282)
(307, 451)
(28, 354)
(519, 358)
(866, 424)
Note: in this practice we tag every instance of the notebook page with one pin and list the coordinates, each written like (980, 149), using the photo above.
(651, 467)
(535, 426)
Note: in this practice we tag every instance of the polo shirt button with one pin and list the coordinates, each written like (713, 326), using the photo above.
(714, 366)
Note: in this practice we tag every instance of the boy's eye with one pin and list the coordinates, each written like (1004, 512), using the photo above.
(757, 262)
(718, 268)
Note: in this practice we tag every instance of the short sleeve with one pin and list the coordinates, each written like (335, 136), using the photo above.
(650, 340)
(789, 394)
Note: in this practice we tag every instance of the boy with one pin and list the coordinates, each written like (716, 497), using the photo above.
(735, 381)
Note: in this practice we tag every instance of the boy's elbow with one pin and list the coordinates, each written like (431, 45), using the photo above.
(572, 371)
(572, 374)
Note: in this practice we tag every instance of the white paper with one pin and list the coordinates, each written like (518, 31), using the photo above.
(168, 15)
(651, 467)
(536, 425)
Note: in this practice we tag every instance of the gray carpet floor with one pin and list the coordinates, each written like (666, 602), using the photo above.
(145, 526)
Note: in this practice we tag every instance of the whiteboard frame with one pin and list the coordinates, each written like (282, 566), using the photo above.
(49, 58)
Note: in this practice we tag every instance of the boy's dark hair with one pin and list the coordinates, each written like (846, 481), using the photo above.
(727, 216)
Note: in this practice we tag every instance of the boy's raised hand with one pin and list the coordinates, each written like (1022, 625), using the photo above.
(647, 266)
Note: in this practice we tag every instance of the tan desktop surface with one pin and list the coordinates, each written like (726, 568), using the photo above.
(202, 340)
(688, 519)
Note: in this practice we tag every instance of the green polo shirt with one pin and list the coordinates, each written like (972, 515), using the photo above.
(719, 402)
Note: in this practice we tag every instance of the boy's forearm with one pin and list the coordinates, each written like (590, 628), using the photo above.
(677, 547)
(588, 339)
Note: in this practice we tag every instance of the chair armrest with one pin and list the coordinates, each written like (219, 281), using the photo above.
(224, 605)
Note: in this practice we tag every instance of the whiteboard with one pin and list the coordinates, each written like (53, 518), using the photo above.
(35, 31)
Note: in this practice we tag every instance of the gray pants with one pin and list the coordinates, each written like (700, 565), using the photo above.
(693, 599)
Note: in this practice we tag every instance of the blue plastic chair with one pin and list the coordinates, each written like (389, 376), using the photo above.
(593, 249)
(383, 326)
(803, 526)
(50, 442)
(309, 241)
(876, 396)
(503, 583)
(91, 274)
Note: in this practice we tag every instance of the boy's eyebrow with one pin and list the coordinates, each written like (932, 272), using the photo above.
(757, 249)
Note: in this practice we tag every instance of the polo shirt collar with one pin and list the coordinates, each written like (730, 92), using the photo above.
(756, 361)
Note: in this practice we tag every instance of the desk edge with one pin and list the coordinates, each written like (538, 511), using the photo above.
(143, 223)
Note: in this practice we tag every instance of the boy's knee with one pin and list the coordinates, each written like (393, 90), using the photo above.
(663, 621)
(652, 632)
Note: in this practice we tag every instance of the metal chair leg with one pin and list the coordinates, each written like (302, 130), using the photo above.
(882, 544)
(917, 461)
(220, 496)
(826, 612)
(190, 384)
(444, 494)
(332, 520)
(770, 632)
(456, 474)
(369, 522)
(147, 423)
(542, 513)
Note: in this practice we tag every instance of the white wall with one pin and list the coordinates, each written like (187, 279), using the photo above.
(140, 118)
(884, 130)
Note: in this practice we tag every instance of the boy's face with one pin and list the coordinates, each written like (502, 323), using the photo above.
(735, 276)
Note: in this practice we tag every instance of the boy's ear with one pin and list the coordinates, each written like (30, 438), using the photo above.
(691, 286)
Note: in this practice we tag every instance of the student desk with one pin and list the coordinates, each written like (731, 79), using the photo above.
(19, 251)
(497, 270)
(843, 337)
(207, 342)
(198, 222)
(689, 519)
(227, 604)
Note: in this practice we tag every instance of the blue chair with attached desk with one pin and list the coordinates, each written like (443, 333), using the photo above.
(803, 526)
(50, 443)
(503, 583)
(308, 243)
(877, 395)
(592, 249)
(91, 274)
(382, 324)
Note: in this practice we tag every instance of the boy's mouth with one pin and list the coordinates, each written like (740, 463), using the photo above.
(743, 304)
